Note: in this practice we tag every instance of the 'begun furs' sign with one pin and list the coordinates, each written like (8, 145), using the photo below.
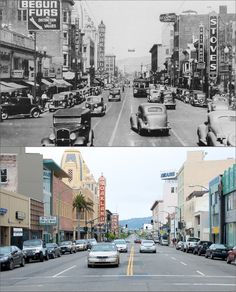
(42, 14)
(213, 44)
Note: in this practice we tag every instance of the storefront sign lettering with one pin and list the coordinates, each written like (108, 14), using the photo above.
(213, 43)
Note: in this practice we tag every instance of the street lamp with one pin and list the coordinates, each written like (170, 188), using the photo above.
(227, 53)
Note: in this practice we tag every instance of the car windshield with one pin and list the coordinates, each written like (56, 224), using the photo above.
(5, 249)
(65, 243)
(104, 247)
(94, 99)
(67, 120)
(115, 91)
(32, 242)
(153, 110)
(193, 239)
(49, 244)
(80, 241)
(119, 241)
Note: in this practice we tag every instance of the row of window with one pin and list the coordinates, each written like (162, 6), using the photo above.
(231, 201)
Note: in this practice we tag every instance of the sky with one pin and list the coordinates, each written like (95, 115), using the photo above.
(135, 24)
(133, 173)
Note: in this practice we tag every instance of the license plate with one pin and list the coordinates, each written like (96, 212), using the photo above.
(102, 260)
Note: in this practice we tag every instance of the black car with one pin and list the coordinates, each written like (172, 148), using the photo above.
(217, 250)
(96, 105)
(114, 94)
(71, 127)
(11, 256)
(201, 247)
(54, 250)
(20, 106)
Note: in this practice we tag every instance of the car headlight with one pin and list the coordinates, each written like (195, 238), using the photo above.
(52, 137)
(135, 91)
(72, 136)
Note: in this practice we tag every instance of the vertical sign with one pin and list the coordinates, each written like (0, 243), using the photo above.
(115, 223)
(102, 199)
(213, 46)
(201, 61)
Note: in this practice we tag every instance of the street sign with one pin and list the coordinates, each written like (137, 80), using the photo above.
(42, 14)
(168, 17)
(47, 220)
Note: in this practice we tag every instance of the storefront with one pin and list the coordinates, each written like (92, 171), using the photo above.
(229, 193)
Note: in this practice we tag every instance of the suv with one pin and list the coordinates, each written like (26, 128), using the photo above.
(35, 249)
(71, 127)
(20, 106)
(67, 246)
(190, 243)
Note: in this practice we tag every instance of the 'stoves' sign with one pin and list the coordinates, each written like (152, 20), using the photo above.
(213, 44)
(42, 14)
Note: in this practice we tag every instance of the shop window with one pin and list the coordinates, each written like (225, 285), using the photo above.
(1, 14)
(65, 35)
(3, 175)
(65, 59)
(19, 15)
(172, 190)
(24, 15)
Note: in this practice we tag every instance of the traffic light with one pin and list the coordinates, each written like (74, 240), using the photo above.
(126, 225)
(151, 221)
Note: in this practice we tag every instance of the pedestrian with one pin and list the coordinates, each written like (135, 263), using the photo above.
(30, 96)
(44, 98)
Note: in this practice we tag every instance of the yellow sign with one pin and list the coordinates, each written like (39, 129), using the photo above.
(215, 230)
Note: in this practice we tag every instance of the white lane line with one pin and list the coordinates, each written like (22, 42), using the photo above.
(183, 263)
(200, 273)
(173, 258)
(117, 123)
(64, 271)
(178, 138)
(204, 284)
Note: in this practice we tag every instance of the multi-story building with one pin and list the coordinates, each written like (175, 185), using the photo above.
(110, 64)
(101, 47)
(203, 170)
(156, 62)
(157, 217)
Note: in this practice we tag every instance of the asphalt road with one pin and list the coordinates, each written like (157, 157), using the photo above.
(113, 129)
(167, 270)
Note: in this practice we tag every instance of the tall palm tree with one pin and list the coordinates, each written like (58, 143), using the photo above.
(81, 204)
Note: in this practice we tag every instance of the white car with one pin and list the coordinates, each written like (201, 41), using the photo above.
(121, 245)
(80, 244)
(105, 253)
(147, 246)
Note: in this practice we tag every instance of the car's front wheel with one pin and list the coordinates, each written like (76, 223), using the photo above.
(11, 265)
(35, 114)
(4, 115)
(22, 264)
(140, 130)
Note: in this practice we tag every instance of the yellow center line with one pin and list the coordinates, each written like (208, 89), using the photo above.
(130, 263)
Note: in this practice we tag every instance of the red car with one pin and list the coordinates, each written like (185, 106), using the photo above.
(231, 255)
(137, 240)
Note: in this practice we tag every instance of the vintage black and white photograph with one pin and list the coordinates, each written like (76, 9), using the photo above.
(117, 73)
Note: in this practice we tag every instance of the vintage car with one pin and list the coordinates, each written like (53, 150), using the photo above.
(78, 97)
(96, 90)
(20, 106)
(71, 127)
(219, 130)
(218, 102)
(169, 101)
(198, 99)
(62, 100)
(96, 105)
(114, 94)
(185, 96)
(154, 96)
(150, 118)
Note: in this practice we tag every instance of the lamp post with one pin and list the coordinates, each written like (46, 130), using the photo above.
(227, 50)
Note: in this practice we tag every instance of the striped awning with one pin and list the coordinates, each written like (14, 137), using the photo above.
(13, 85)
(47, 82)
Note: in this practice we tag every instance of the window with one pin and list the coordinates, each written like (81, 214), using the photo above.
(65, 35)
(19, 15)
(70, 172)
(24, 15)
(65, 16)
(3, 176)
(65, 60)
(167, 51)
(172, 190)
(1, 14)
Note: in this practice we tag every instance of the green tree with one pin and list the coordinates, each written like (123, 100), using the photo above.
(81, 204)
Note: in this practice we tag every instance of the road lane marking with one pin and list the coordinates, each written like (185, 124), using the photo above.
(99, 121)
(117, 123)
(200, 273)
(63, 271)
(173, 258)
(129, 271)
(183, 263)
(178, 138)
(204, 284)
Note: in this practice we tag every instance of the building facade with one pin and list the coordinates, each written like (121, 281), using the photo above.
(110, 65)
(115, 224)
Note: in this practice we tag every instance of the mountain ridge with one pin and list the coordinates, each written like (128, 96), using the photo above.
(135, 223)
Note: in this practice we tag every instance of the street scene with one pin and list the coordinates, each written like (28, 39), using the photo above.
(71, 76)
(118, 219)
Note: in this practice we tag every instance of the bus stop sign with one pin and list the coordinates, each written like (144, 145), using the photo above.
(42, 14)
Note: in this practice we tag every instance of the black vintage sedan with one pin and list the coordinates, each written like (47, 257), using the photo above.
(54, 250)
(96, 105)
(11, 256)
(217, 250)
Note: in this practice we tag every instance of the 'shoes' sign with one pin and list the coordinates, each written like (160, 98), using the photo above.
(213, 39)
(42, 14)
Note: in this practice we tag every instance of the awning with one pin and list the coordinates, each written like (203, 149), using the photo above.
(69, 75)
(47, 82)
(4, 88)
(61, 83)
(13, 85)
(30, 83)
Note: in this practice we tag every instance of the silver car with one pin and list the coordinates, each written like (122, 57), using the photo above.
(103, 254)
(121, 245)
(147, 246)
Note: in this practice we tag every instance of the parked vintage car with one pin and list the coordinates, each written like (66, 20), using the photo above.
(185, 96)
(35, 249)
(114, 94)
(62, 100)
(54, 250)
(201, 247)
(78, 97)
(71, 127)
(198, 99)
(20, 106)
(67, 246)
(218, 102)
(169, 101)
(11, 256)
(219, 130)
(150, 118)
(96, 105)
(217, 250)
(231, 257)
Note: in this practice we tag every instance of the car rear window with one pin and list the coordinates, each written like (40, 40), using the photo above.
(154, 110)
(193, 239)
